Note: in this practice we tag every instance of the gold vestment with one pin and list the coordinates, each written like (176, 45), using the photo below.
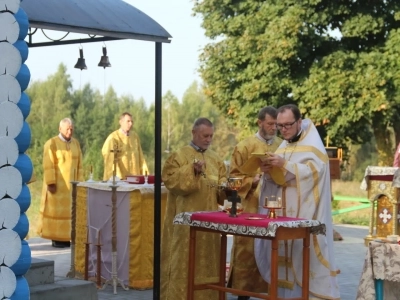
(62, 163)
(186, 193)
(130, 156)
(244, 272)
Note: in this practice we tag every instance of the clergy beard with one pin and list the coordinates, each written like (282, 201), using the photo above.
(65, 138)
(295, 137)
(265, 135)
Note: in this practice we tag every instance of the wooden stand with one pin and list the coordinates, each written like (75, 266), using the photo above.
(98, 265)
(281, 234)
(86, 271)
(71, 273)
(114, 267)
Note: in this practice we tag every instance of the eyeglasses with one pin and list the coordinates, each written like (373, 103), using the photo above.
(286, 126)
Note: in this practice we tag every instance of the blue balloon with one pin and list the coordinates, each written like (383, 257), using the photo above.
(22, 227)
(23, 22)
(23, 49)
(24, 105)
(22, 291)
(23, 77)
(24, 198)
(24, 261)
(25, 167)
(24, 138)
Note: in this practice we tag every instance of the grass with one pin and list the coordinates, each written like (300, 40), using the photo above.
(33, 211)
(342, 188)
(351, 189)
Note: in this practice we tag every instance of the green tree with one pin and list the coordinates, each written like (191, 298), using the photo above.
(50, 102)
(338, 60)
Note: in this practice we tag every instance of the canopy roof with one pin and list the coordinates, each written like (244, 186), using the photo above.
(101, 19)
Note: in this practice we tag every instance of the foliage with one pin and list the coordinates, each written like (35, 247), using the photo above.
(338, 60)
(95, 116)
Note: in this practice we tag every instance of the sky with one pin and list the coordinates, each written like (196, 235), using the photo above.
(132, 62)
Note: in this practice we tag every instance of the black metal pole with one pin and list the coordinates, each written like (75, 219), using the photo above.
(157, 173)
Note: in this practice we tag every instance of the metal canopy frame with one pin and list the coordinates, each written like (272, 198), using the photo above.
(47, 14)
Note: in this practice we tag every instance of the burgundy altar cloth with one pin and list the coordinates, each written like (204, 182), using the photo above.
(243, 223)
(245, 219)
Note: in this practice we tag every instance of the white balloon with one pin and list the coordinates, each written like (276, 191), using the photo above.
(10, 247)
(8, 151)
(11, 119)
(10, 89)
(11, 182)
(10, 59)
(9, 213)
(8, 282)
(10, 5)
(9, 28)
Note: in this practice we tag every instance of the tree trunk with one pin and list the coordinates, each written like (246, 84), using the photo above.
(384, 145)
(396, 129)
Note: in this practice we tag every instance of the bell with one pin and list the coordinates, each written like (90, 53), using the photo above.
(81, 61)
(104, 62)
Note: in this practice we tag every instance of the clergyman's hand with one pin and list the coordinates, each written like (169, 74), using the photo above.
(198, 166)
(265, 166)
(256, 180)
(276, 160)
(52, 188)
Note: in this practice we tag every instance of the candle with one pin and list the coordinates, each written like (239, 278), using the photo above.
(74, 174)
(91, 169)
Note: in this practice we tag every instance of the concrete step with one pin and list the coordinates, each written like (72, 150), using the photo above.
(65, 289)
(40, 272)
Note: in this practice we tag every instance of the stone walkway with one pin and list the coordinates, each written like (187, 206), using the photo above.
(350, 255)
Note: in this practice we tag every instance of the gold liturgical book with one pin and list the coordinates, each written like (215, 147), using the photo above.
(252, 165)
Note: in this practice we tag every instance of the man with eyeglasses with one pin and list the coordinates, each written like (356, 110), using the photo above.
(244, 274)
(306, 194)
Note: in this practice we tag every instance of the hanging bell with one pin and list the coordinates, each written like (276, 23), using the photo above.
(104, 62)
(81, 61)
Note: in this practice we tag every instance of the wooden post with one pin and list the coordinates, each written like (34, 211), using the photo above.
(87, 243)
(114, 267)
(71, 273)
(98, 265)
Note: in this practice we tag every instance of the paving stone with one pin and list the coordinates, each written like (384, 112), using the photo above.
(349, 255)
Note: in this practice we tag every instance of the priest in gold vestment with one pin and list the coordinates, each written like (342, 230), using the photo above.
(131, 160)
(191, 176)
(305, 194)
(62, 163)
(243, 272)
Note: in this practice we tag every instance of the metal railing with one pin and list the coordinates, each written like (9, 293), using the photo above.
(363, 203)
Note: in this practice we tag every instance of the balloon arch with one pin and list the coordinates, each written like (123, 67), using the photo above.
(17, 18)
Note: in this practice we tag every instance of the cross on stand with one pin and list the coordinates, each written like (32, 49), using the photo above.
(114, 267)
(235, 199)
(234, 184)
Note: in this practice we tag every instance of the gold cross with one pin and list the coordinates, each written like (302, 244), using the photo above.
(116, 149)
(291, 211)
